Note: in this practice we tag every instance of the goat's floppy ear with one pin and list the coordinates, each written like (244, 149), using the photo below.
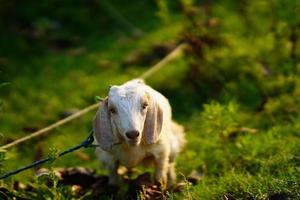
(153, 122)
(102, 127)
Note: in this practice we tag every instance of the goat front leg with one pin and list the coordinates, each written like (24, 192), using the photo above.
(111, 165)
(161, 169)
(113, 176)
(171, 175)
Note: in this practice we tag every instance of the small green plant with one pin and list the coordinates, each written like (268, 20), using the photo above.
(163, 10)
(187, 193)
(48, 181)
(220, 119)
(53, 154)
(98, 99)
(2, 159)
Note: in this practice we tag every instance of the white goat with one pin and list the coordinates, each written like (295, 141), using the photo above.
(134, 125)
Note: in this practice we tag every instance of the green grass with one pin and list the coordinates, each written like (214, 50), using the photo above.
(240, 149)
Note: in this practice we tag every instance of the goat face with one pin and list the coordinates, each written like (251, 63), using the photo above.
(127, 109)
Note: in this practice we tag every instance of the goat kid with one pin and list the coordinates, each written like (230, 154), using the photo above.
(134, 125)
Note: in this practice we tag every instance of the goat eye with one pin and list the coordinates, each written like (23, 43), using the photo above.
(144, 106)
(112, 110)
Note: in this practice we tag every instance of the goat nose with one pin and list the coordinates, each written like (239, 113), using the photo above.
(132, 134)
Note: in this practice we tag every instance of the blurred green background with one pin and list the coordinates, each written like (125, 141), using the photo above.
(236, 89)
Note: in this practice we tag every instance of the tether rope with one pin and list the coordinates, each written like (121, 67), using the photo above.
(86, 143)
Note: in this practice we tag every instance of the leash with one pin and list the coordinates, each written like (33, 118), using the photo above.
(85, 144)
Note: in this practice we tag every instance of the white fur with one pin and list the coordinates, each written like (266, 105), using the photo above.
(126, 104)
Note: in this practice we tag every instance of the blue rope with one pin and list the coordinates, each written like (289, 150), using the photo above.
(86, 143)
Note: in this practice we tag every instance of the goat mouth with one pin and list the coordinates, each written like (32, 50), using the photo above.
(134, 142)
